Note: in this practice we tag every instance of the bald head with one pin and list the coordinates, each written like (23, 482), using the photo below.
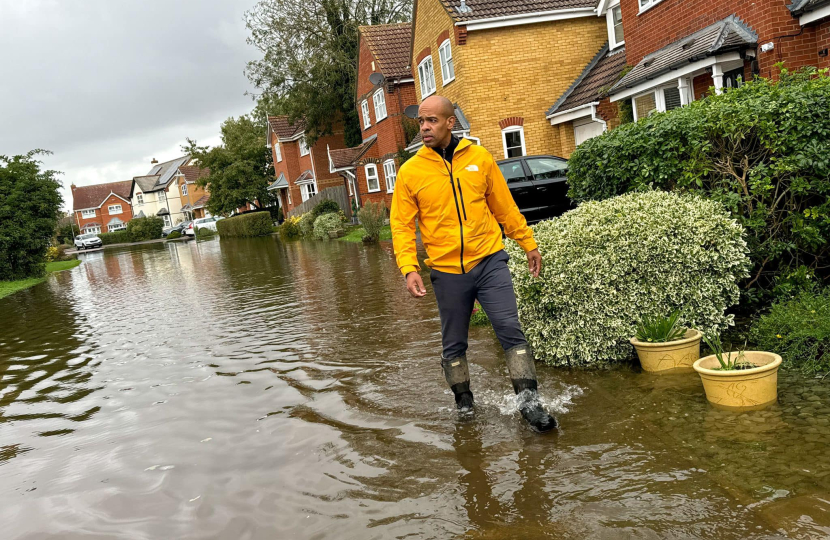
(436, 115)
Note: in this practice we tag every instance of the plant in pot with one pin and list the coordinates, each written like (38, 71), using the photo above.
(742, 380)
(663, 344)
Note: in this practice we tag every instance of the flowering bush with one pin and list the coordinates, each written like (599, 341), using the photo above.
(290, 228)
(609, 264)
(306, 224)
(325, 224)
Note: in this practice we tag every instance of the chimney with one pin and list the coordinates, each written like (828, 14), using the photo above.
(73, 187)
(154, 161)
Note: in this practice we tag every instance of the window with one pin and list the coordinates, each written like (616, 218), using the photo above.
(372, 181)
(734, 78)
(671, 98)
(445, 56)
(380, 105)
(644, 105)
(513, 172)
(114, 209)
(514, 142)
(303, 147)
(546, 168)
(278, 151)
(364, 108)
(308, 191)
(166, 219)
(162, 196)
(112, 227)
(184, 189)
(390, 174)
(426, 75)
(647, 4)
(139, 198)
(615, 27)
(662, 99)
(88, 213)
(92, 230)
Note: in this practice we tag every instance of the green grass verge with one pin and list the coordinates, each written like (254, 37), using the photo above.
(356, 234)
(10, 287)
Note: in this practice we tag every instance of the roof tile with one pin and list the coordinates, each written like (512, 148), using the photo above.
(390, 43)
(93, 196)
(347, 157)
(594, 82)
(283, 128)
(490, 9)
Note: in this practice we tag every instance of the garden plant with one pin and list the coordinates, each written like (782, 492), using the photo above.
(145, 228)
(372, 217)
(326, 224)
(245, 225)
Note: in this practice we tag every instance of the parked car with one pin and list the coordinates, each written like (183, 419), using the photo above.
(539, 185)
(201, 223)
(181, 227)
(88, 241)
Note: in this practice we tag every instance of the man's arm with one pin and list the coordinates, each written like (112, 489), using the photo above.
(504, 208)
(402, 222)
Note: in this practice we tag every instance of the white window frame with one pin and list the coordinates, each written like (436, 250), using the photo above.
(89, 213)
(447, 64)
(116, 227)
(139, 198)
(374, 175)
(367, 120)
(307, 191)
(304, 151)
(184, 189)
(646, 5)
(426, 74)
(93, 230)
(379, 101)
(166, 219)
(659, 98)
(110, 207)
(390, 171)
(513, 129)
(162, 196)
(612, 38)
(278, 151)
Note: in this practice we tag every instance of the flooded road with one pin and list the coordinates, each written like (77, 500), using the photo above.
(254, 389)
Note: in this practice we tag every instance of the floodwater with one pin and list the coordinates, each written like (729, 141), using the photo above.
(247, 389)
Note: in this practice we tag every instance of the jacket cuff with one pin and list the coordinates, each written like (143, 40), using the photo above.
(409, 268)
(528, 244)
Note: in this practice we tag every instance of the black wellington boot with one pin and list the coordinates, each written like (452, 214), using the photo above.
(457, 373)
(522, 370)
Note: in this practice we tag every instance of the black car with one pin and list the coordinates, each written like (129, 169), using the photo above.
(539, 185)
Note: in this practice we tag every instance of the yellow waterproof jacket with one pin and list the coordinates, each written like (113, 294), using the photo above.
(458, 205)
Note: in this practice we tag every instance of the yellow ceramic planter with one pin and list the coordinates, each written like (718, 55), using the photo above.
(671, 355)
(745, 389)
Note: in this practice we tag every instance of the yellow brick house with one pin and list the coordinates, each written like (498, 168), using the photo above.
(503, 63)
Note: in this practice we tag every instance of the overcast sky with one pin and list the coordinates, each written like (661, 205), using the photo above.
(107, 85)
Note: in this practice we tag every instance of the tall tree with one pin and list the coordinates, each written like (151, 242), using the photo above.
(29, 204)
(309, 58)
(241, 168)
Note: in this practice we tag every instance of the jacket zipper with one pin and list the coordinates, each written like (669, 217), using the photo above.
(461, 195)
(457, 210)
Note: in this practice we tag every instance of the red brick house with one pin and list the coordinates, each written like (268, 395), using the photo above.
(102, 207)
(679, 49)
(301, 171)
(385, 87)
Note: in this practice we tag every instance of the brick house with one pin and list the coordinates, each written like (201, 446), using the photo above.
(503, 64)
(194, 197)
(679, 49)
(158, 194)
(384, 89)
(301, 171)
(102, 207)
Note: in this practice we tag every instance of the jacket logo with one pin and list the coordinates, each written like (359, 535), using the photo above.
(472, 168)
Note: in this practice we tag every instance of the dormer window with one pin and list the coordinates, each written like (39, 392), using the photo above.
(615, 26)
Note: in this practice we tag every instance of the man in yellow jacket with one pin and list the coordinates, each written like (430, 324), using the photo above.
(459, 197)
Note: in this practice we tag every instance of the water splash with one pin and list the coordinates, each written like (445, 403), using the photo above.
(554, 400)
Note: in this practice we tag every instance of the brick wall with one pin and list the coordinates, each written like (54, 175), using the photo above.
(823, 44)
(433, 21)
(102, 215)
(671, 20)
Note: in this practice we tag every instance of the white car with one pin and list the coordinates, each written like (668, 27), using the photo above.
(88, 241)
(201, 223)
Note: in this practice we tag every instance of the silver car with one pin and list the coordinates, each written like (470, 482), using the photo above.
(88, 241)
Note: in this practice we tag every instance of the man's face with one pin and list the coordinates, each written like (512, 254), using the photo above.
(436, 125)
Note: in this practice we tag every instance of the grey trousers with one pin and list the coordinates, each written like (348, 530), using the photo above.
(491, 283)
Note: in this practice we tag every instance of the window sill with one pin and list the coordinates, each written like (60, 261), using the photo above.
(424, 96)
(616, 45)
(644, 9)
(448, 81)
(379, 120)
(390, 192)
(374, 190)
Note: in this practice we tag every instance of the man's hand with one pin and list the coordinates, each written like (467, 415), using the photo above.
(534, 262)
(415, 285)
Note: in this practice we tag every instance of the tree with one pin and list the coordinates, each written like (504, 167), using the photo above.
(29, 204)
(309, 58)
(241, 168)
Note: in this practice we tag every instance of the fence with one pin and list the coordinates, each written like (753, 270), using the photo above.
(337, 194)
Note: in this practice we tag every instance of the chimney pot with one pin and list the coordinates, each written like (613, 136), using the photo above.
(154, 161)
(73, 187)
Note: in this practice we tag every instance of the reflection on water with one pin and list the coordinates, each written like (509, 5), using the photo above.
(257, 389)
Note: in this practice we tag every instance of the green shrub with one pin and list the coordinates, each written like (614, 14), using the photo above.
(762, 150)
(609, 264)
(325, 224)
(146, 228)
(306, 224)
(117, 237)
(173, 235)
(246, 225)
(372, 216)
(290, 228)
(326, 206)
(205, 232)
(799, 330)
(479, 317)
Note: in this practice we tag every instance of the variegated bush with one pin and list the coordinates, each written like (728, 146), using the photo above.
(609, 263)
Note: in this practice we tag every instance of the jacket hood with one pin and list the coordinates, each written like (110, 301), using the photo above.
(432, 155)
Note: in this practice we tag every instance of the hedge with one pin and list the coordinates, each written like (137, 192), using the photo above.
(117, 237)
(146, 228)
(246, 225)
(762, 150)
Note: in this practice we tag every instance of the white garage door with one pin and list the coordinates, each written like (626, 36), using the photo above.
(587, 130)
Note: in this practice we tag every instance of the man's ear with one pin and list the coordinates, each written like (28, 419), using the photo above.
(451, 122)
